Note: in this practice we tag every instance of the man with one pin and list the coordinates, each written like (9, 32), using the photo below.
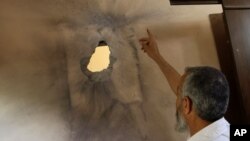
(202, 97)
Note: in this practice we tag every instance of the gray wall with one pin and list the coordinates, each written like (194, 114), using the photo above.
(35, 101)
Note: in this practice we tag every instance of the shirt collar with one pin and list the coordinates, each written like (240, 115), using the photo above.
(213, 130)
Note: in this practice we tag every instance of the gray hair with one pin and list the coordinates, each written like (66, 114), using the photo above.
(208, 89)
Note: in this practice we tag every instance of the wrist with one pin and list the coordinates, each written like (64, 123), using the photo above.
(158, 59)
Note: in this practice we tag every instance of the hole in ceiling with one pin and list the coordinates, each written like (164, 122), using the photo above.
(99, 60)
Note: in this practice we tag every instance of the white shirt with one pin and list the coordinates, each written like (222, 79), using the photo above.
(216, 131)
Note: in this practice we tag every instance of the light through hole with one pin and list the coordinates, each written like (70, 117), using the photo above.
(99, 60)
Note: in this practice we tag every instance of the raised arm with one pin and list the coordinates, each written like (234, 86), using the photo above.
(150, 47)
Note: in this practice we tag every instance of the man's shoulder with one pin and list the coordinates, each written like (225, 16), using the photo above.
(216, 131)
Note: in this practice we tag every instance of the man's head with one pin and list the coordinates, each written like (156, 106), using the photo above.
(203, 92)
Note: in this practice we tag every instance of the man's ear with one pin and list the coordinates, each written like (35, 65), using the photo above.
(187, 105)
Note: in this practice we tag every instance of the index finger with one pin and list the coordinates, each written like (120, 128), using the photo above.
(150, 35)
